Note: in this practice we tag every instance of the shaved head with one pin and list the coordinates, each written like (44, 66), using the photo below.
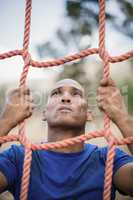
(69, 82)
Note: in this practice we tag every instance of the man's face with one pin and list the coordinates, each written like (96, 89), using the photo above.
(66, 106)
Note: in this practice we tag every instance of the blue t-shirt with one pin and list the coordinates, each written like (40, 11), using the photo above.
(62, 176)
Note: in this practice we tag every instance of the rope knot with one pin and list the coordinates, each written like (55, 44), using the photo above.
(103, 55)
(26, 57)
(110, 137)
(24, 141)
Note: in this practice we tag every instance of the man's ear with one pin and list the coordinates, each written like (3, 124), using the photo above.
(44, 116)
(89, 115)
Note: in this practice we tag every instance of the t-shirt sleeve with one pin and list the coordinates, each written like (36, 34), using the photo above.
(121, 158)
(8, 162)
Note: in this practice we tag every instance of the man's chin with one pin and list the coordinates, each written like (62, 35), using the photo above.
(68, 124)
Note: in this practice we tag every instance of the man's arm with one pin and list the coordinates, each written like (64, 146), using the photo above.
(3, 182)
(5, 127)
(110, 101)
(19, 106)
(125, 124)
(123, 179)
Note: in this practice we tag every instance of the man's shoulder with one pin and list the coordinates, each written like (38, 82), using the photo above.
(103, 151)
(17, 148)
(13, 151)
(96, 148)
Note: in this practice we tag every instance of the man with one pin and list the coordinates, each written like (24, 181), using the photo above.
(71, 173)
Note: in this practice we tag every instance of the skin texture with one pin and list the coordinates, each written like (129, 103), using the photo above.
(18, 106)
(66, 114)
(65, 107)
(111, 102)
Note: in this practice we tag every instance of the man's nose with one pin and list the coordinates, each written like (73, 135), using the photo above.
(66, 98)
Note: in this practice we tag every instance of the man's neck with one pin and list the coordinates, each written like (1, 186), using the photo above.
(57, 134)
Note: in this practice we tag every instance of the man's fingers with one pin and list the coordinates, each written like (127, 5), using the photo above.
(30, 106)
(107, 82)
(104, 82)
(33, 106)
(101, 105)
(29, 109)
(99, 98)
(29, 98)
(24, 90)
(111, 82)
(102, 90)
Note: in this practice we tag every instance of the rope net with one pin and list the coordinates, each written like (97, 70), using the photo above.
(106, 132)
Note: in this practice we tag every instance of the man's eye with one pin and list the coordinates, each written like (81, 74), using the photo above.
(76, 93)
(54, 93)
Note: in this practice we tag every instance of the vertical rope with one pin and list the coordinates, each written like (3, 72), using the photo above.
(26, 58)
(109, 170)
(26, 174)
(28, 9)
(102, 28)
(112, 141)
(111, 148)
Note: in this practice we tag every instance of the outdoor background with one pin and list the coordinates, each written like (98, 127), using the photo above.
(59, 28)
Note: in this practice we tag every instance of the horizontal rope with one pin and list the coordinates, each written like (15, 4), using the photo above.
(63, 143)
(106, 133)
(69, 58)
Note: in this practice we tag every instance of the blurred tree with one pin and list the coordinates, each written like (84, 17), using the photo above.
(76, 32)
(81, 20)
(126, 25)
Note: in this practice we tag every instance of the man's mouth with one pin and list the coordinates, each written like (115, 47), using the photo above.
(64, 109)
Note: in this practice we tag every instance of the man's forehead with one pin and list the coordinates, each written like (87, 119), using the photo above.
(68, 83)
